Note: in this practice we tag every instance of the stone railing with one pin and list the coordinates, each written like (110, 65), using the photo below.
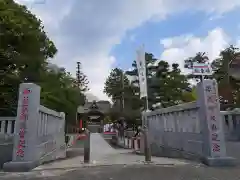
(176, 127)
(7, 125)
(50, 134)
(39, 133)
(191, 130)
(231, 125)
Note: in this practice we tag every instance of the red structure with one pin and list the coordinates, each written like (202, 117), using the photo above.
(81, 124)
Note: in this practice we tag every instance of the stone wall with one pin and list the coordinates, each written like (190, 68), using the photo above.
(191, 130)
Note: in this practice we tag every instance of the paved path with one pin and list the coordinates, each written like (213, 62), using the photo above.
(103, 154)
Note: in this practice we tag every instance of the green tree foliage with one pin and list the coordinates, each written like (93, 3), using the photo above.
(169, 85)
(116, 82)
(120, 90)
(228, 86)
(82, 79)
(24, 48)
(162, 82)
(61, 93)
(24, 53)
(189, 96)
(166, 86)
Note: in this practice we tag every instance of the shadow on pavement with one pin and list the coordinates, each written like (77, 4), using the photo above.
(75, 151)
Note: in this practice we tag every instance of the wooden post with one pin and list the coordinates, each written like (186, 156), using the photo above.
(87, 146)
(147, 149)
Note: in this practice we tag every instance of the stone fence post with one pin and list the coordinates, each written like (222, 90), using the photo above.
(214, 147)
(25, 156)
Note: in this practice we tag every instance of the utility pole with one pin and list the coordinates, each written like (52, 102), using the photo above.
(228, 69)
(78, 83)
(78, 74)
(123, 102)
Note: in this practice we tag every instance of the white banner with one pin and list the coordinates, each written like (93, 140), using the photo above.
(141, 66)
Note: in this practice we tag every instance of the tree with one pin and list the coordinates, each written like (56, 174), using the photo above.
(228, 86)
(25, 51)
(120, 90)
(61, 93)
(165, 85)
(81, 79)
(177, 85)
(116, 84)
(222, 64)
(189, 96)
(169, 85)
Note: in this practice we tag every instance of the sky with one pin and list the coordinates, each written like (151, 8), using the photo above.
(103, 34)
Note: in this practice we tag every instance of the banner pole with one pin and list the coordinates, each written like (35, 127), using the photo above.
(147, 106)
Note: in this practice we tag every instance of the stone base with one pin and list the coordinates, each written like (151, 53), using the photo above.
(19, 166)
(163, 151)
(5, 153)
(62, 153)
(220, 162)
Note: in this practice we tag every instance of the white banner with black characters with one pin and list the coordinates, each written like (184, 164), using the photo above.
(141, 66)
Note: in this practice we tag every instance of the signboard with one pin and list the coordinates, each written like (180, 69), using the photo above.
(202, 69)
(94, 117)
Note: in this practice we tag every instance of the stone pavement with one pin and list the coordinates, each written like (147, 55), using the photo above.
(115, 164)
(103, 154)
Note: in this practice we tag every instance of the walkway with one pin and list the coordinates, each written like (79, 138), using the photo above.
(103, 154)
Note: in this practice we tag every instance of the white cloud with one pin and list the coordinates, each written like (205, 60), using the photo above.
(179, 48)
(86, 30)
(238, 42)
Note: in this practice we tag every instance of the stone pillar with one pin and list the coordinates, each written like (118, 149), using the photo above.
(60, 137)
(25, 156)
(214, 147)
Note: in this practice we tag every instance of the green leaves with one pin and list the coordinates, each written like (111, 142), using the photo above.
(116, 84)
(166, 86)
(24, 53)
(228, 86)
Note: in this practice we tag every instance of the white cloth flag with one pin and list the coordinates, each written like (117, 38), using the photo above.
(141, 66)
